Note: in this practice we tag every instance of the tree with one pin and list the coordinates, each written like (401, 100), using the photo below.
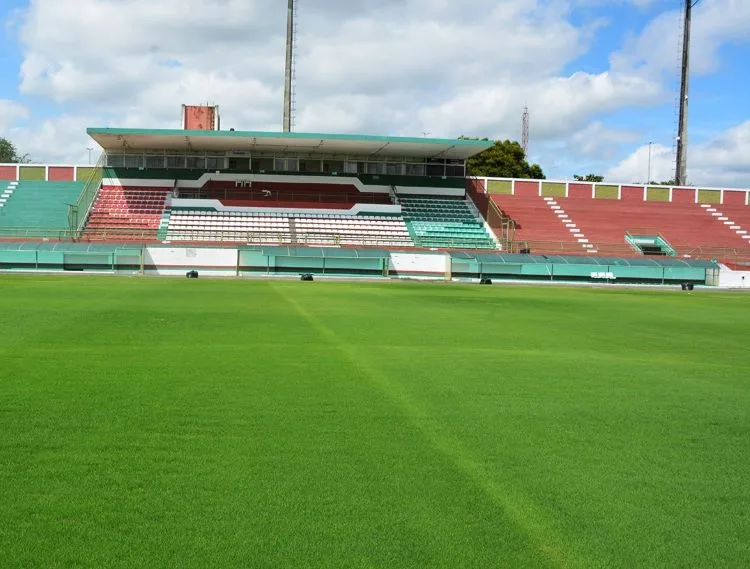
(9, 153)
(664, 183)
(589, 178)
(505, 159)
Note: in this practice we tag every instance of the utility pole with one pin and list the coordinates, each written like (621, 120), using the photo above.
(680, 176)
(525, 131)
(289, 62)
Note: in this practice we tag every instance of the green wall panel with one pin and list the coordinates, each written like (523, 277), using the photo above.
(500, 187)
(84, 173)
(32, 173)
(553, 189)
(605, 192)
(709, 196)
(657, 194)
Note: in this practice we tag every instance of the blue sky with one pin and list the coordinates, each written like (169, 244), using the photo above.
(600, 77)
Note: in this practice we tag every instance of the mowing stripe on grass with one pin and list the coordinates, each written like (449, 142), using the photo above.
(527, 516)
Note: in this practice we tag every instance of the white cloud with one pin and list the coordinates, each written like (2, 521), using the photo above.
(379, 66)
(723, 161)
(657, 49)
(10, 113)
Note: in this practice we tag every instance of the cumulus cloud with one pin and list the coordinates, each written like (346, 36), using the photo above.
(722, 161)
(10, 113)
(656, 50)
(377, 66)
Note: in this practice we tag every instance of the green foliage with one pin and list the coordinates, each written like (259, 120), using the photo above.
(505, 159)
(9, 153)
(589, 178)
(664, 183)
(151, 423)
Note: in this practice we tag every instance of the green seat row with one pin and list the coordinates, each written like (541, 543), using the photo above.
(39, 205)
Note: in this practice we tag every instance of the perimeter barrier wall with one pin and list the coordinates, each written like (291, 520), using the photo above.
(333, 261)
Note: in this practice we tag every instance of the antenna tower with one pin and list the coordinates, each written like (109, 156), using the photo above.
(680, 177)
(290, 67)
(525, 131)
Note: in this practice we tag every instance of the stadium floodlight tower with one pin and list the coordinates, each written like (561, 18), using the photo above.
(680, 177)
(289, 67)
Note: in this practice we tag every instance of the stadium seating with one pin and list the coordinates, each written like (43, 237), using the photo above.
(683, 224)
(580, 223)
(124, 211)
(37, 205)
(536, 221)
(264, 227)
(444, 222)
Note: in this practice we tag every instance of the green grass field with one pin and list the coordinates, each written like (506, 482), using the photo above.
(168, 423)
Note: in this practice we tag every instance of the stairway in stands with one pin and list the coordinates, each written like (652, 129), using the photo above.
(731, 223)
(575, 231)
(128, 213)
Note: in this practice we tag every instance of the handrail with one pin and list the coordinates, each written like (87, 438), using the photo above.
(85, 200)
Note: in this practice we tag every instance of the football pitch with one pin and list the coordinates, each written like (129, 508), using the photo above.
(174, 423)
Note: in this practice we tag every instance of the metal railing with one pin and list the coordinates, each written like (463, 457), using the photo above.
(78, 212)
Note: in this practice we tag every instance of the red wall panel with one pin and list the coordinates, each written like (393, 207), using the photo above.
(579, 191)
(632, 194)
(527, 188)
(8, 173)
(683, 195)
(735, 198)
(61, 174)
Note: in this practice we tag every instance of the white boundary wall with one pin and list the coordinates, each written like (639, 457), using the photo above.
(364, 208)
(420, 265)
(733, 279)
(178, 260)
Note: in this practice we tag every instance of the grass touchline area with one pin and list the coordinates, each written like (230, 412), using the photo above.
(277, 423)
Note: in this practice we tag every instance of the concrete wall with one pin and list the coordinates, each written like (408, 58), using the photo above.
(609, 191)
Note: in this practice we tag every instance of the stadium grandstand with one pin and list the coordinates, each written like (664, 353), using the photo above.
(203, 187)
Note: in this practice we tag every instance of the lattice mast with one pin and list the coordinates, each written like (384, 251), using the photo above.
(680, 176)
(291, 32)
(525, 131)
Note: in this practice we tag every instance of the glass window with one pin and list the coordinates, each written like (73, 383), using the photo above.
(415, 169)
(455, 171)
(286, 164)
(262, 164)
(375, 168)
(394, 169)
(196, 162)
(175, 162)
(155, 162)
(215, 163)
(435, 169)
(312, 166)
(133, 161)
(115, 160)
(350, 167)
(334, 166)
